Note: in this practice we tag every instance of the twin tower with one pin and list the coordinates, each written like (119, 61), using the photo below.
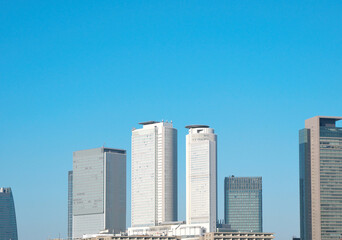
(97, 184)
(154, 175)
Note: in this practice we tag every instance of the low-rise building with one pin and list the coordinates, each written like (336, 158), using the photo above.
(171, 229)
(141, 237)
(237, 236)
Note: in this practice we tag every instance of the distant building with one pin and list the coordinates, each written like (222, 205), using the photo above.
(237, 236)
(243, 203)
(201, 177)
(8, 223)
(154, 174)
(70, 205)
(99, 191)
(141, 237)
(320, 158)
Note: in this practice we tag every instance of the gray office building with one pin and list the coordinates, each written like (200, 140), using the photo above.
(99, 191)
(70, 205)
(243, 203)
(8, 222)
(320, 179)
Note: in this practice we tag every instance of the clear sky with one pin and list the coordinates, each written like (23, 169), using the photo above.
(80, 74)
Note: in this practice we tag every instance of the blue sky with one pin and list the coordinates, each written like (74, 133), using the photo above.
(80, 74)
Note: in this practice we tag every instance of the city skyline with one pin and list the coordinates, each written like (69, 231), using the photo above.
(78, 75)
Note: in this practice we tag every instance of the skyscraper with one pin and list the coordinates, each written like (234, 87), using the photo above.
(70, 205)
(243, 203)
(8, 223)
(201, 177)
(99, 191)
(154, 174)
(320, 158)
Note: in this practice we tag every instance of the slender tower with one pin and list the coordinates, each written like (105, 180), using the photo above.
(154, 174)
(8, 223)
(201, 177)
(320, 159)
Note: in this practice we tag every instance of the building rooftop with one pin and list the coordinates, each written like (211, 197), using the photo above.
(104, 149)
(197, 126)
(5, 190)
(148, 122)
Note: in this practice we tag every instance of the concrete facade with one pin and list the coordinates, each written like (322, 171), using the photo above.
(201, 177)
(154, 174)
(179, 229)
(237, 236)
(106, 237)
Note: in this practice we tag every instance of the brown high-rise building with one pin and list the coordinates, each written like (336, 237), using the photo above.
(320, 155)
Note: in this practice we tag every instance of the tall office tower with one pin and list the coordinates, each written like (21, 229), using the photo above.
(99, 191)
(154, 174)
(70, 205)
(243, 203)
(201, 177)
(320, 158)
(8, 223)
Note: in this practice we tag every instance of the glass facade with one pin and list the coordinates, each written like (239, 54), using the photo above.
(331, 182)
(243, 203)
(8, 223)
(98, 191)
(305, 183)
(320, 162)
(70, 173)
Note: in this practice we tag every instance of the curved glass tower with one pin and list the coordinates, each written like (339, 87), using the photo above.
(8, 223)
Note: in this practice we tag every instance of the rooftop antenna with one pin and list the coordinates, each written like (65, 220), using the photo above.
(103, 144)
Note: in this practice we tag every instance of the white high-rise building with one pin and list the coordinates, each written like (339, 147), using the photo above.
(154, 174)
(201, 177)
(99, 191)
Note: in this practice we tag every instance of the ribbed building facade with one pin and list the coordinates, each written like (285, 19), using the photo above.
(320, 157)
(243, 203)
(154, 174)
(99, 191)
(201, 177)
(8, 222)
